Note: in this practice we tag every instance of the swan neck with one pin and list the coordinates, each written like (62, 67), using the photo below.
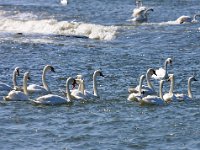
(83, 87)
(189, 89)
(44, 79)
(140, 85)
(160, 90)
(165, 68)
(80, 87)
(69, 97)
(95, 85)
(25, 85)
(14, 79)
(148, 81)
(171, 86)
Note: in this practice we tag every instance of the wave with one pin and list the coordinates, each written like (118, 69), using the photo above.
(21, 24)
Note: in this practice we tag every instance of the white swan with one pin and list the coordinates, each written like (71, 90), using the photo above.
(95, 93)
(18, 95)
(137, 96)
(34, 88)
(149, 89)
(6, 87)
(140, 14)
(52, 99)
(184, 97)
(168, 97)
(187, 19)
(162, 73)
(64, 2)
(153, 99)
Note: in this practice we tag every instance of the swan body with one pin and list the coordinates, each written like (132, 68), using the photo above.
(162, 73)
(149, 89)
(187, 19)
(6, 87)
(138, 95)
(34, 88)
(168, 97)
(18, 95)
(184, 97)
(51, 99)
(153, 99)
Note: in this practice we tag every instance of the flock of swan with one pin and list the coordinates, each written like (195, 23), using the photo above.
(147, 94)
(141, 12)
(140, 15)
(143, 94)
(17, 93)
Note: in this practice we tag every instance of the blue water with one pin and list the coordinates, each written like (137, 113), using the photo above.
(105, 39)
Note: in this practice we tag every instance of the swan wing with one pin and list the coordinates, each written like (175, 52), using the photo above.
(34, 88)
(89, 95)
(146, 90)
(182, 97)
(160, 74)
(133, 90)
(16, 96)
(134, 97)
(183, 19)
(51, 99)
(76, 94)
(138, 11)
(152, 100)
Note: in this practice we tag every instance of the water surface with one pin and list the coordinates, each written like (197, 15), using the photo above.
(80, 38)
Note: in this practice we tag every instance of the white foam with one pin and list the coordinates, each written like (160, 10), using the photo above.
(34, 26)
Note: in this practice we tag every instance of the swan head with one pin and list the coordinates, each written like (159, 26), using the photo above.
(151, 71)
(171, 77)
(169, 61)
(27, 76)
(49, 67)
(193, 78)
(52, 69)
(78, 81)
(99, 73)
(79, 76)
(74, 83)
(142, 77)
(17, 71)
(195, 17)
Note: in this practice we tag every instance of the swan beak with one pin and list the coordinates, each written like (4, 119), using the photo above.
(17, 72)
(154, 72)
(74, 84)
(195, 79)
(52, 69)
(29, 78)
(151, 9)
(168, 80)
(101, 74)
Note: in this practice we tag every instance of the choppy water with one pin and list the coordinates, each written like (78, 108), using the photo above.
(80, 38)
